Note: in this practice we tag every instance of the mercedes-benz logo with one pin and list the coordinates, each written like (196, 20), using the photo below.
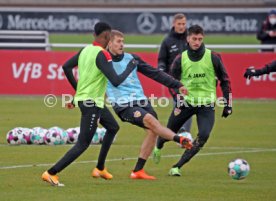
(1, 21)
(146, 23)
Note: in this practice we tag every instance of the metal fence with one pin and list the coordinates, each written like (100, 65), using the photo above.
(40, 40)
(24, 40)
(49, 46)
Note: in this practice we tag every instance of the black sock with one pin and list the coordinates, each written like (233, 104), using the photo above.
(139, 165)
(52, 171)
(160, 142)
(176, 138)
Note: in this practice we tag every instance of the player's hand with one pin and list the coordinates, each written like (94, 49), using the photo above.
(133, 63)
(183, 90)
(70, 105)
(227, 110)
(251, 71)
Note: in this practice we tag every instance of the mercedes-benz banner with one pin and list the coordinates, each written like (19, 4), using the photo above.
(145, 21)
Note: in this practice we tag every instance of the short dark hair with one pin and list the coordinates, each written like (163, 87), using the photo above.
(100, 27)
(195, 29)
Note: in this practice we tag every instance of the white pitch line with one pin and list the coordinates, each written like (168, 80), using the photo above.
(135, 158)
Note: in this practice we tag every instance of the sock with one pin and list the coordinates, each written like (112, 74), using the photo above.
(139, 165)
(52, 171)
(176, 138)
(160, 142)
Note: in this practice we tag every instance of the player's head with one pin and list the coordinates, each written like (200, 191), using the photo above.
(179, 23)
(102, 32)
(272, 17)
(116, 43)
(195, 36)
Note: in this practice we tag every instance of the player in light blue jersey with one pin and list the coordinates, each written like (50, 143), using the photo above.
(131, 105)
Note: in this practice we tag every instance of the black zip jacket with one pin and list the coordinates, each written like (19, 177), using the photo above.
(262, 33)
(173, 44)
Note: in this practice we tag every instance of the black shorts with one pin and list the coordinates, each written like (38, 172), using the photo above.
(135, 114)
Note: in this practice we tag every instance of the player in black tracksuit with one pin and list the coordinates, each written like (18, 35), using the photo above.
(173, 44)
(268, 68)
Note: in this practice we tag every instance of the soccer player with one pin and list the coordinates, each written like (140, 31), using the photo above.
(174, 43)
(198, 68)
(131, 105)
(95, 67)
(268, 68)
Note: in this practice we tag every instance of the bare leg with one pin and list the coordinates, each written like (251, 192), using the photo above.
(154, 125)
(148, 144)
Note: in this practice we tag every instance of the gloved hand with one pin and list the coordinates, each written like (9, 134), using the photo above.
(226, 111)
(250, 72)
(133, 63)
(70, 105)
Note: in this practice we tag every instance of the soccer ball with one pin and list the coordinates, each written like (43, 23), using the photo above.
(238, 169)
(101, 133)
(15, 136)
(185, 134)
(72, 135)
(27, 136)
(77, 130)
(96, 137)
(38, 134)
(53, 137)
(59, 132)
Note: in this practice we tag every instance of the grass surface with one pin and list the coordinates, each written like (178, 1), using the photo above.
(249, 133)
(157, 39)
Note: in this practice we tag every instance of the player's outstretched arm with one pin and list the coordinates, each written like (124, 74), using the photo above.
(104, 63)
(250, 72)
(156, 74)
